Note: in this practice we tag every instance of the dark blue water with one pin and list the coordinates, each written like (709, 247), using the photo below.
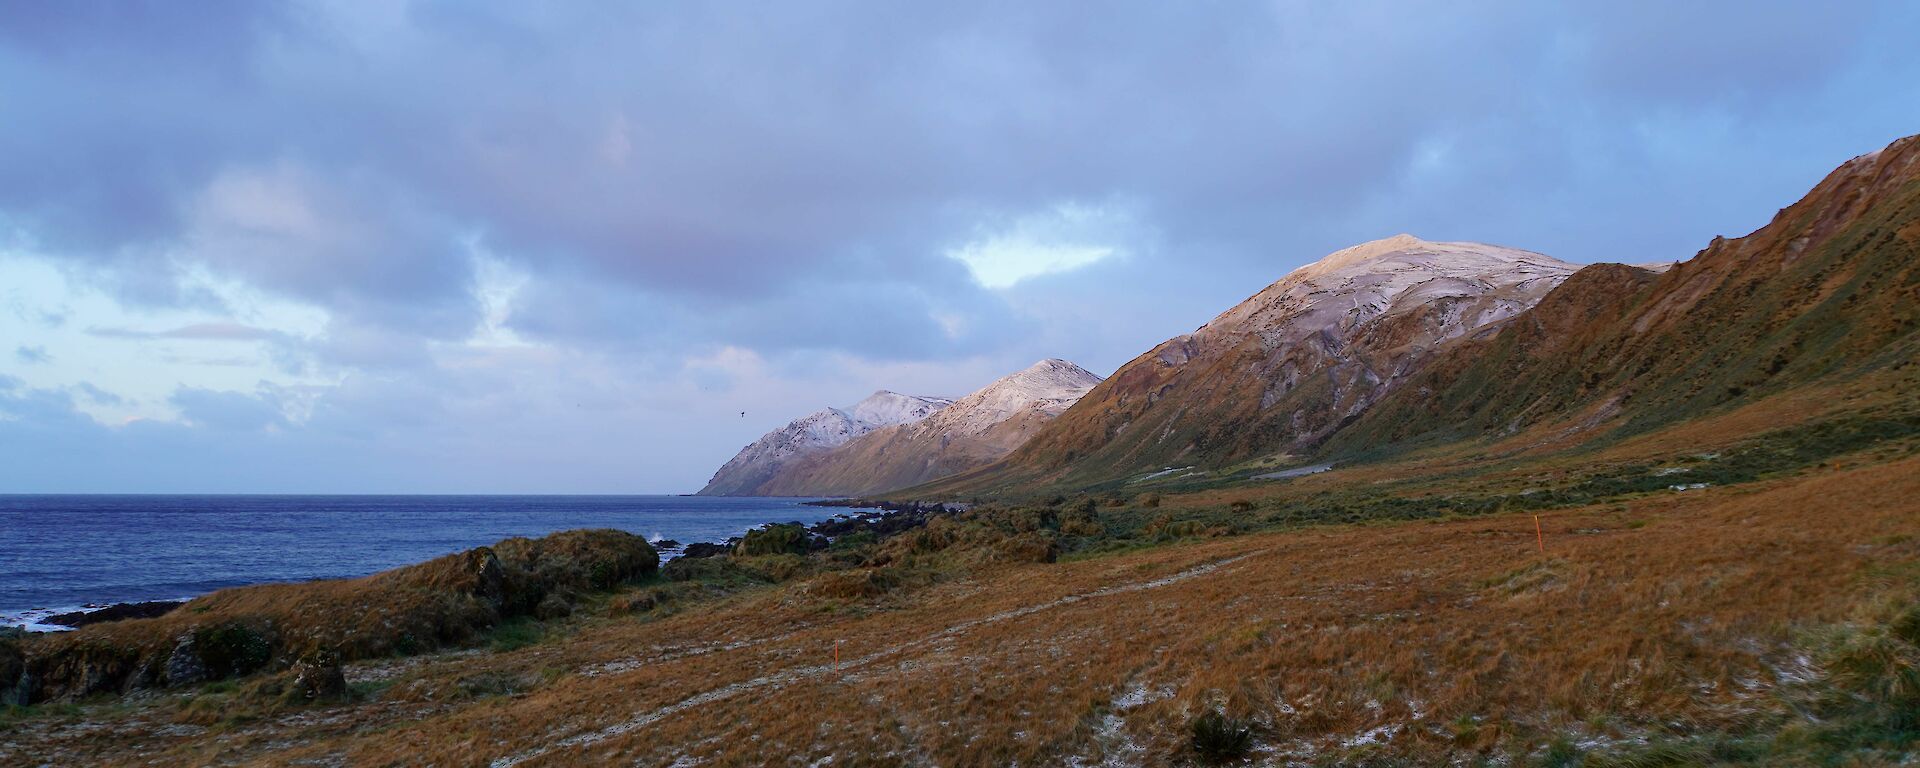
(59, 552)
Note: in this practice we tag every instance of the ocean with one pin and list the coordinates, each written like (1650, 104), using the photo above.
(58, 553)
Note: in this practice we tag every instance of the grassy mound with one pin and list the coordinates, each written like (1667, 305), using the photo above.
(451, 600)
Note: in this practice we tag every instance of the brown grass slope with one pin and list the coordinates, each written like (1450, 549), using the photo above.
(1650, 621)
(1829, 288)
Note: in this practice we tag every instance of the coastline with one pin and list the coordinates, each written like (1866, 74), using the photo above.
(666, 535)
(880, 518)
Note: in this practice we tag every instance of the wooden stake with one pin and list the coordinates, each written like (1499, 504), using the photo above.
(1539, 535)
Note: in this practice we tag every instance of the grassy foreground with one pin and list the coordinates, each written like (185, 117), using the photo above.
(1383, 614)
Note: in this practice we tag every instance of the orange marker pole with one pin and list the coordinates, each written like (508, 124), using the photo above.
(1539, 535)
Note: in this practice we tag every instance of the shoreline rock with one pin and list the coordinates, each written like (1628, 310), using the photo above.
(115, 612)
(880, 518)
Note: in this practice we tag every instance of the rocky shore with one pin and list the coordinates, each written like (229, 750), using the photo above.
(877, 518)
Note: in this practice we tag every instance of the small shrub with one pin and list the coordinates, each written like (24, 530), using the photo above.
(230, 650)
(853, 541)
(486, 684)
(1241, 505)
(1165, 527)
(638, 602)
(12, 665)
(776, 568)
(1561, 753)
(553, 606)
(852, 584)
(936, 535)
(1875, 666)
(1027, 548)
(1087, 528)
(368, 690)
(774, 540)
(1150, 500)
(517, 633)
(723, 570)
(1025, 519)
(1218, 739)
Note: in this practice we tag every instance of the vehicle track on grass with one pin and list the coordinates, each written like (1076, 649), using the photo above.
(787, 677)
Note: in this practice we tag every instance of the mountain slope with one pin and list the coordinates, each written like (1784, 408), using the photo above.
(975, 430)
(1830, 288)
(1287, 366)
(822, 430)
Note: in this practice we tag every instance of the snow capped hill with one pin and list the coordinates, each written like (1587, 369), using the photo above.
(967, 433)
(821, 430)
(885, 409)
(1047, 388)
(1391, 276)
(1291, 364)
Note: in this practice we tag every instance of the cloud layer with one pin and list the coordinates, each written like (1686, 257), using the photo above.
(487, 219)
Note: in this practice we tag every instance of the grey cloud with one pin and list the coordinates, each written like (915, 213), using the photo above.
(32, 355)
(133, 106)
(701, 154)
(96, 394)
(211, 331)
(1686, 55)
(894, 319)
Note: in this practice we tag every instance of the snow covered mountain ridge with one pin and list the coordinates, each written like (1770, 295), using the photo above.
(967, 433)
(1288, 366)
(1358, 285)
(1048, 387)
(821, 430)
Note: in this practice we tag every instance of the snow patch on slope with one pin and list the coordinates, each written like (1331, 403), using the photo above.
(1048, 387)
(1353, 286)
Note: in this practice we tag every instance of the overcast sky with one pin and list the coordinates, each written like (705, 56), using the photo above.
(493, 247)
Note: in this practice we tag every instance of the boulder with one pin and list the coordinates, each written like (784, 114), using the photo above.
(701, 549)
(184, 666)
(317, 677)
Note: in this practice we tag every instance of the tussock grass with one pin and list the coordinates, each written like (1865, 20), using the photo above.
(1220, 740)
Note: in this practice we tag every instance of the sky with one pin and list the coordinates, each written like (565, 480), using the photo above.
(506, 247)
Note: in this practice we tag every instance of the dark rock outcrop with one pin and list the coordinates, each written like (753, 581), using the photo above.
(115, 612)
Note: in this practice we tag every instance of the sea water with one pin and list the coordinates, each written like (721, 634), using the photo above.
(58, 553)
